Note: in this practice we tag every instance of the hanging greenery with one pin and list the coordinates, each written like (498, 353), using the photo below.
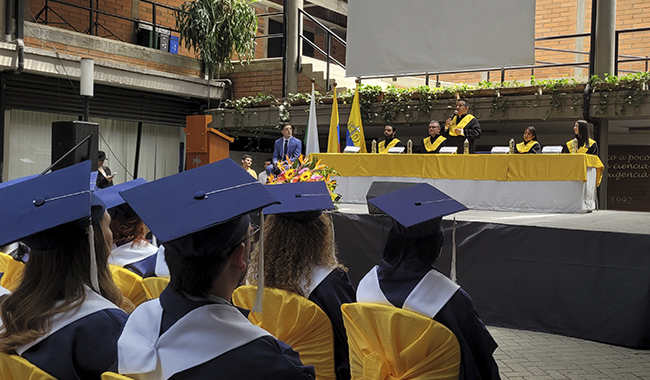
(216, 30)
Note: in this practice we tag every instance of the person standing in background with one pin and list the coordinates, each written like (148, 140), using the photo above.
(105, 175)
(462, 126)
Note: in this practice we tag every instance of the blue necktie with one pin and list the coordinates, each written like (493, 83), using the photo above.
(284, 153)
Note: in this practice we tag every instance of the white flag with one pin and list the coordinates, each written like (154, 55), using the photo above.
(311, 137)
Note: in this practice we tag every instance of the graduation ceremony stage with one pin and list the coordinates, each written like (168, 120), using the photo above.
(580, 275)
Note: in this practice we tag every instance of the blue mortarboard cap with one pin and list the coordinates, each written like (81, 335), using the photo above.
(197, 199)
(412, 207)
(302, 200)
(17, 180)
(111, 195)
(93, 181)
(31, 209)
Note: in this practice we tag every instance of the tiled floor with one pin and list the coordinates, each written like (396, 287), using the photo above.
(532, 355)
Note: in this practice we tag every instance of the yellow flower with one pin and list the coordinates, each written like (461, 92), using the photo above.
(305, 176)
(289, 173)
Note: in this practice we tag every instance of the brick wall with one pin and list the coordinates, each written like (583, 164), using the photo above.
(553, 17)
(265, 82)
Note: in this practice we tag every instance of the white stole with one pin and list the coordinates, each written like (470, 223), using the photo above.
(198, 337)
(427, 298)
(161, 265)
(126, 254)
(318, 274)
(92, 304)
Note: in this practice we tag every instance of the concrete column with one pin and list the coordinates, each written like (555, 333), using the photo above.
(604, 40)
(603, 148)
(293, 41)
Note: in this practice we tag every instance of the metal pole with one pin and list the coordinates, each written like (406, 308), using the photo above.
(293, 44)
(86, 108)
(284, 49)
(503, 74)
(137, 150)
(328, 43)
(426, 80)
(92, 17)
(3, 110)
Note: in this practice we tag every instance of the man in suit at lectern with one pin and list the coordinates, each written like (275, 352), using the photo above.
(285, 146)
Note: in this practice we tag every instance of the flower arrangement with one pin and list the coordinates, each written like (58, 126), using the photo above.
(306, 170)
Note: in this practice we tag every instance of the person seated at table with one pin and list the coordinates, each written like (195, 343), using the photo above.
(462, 126)
(433, 142)
(585, 143)
(530, 144)
(64, 316)
(407, 278)
(193, 331)
(129, 232)
(391, 141)
(300, 257)
(285, 148)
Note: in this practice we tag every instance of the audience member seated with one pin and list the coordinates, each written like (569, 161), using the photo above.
(129, 242)
(406, 277)
(300, 257)
(585, 143)
(64, 316)
(193, 331)
(530, 144)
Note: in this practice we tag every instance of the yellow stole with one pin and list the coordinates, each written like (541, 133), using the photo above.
(463, 123)
(432, 147)
(582, 149)
(524, 147)
(384, 149)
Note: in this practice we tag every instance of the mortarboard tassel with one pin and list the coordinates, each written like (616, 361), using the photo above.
(94, 281)
(452, 273)
(259, 297)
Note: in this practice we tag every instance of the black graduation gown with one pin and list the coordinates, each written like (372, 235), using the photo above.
(263, 358)
(592, 149)
(459, 315)
(422, 148)
(82, 350)
(335, 290)
(472, 132)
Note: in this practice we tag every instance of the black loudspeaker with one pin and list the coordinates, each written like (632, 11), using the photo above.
(67, 134)
(378, 188)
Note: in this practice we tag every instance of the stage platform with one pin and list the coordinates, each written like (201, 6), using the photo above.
(580, 275)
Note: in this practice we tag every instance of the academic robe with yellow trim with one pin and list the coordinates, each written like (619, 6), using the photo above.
(471, 131)
(459, 315)
(589, 147)
(383, 146)
(530, 147)
(432, 145)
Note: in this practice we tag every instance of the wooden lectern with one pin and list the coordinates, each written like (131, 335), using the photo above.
(204, 145)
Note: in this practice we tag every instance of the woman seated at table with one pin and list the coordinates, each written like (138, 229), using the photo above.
(530, 144)
(300, 257)
(585, 143)
(64, 316)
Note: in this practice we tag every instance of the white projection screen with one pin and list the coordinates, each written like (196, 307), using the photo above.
(416, 36)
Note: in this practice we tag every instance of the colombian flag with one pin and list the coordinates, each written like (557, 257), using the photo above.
(355, 135)
(333, 141)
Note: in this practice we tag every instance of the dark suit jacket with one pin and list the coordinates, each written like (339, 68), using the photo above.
(294, 149)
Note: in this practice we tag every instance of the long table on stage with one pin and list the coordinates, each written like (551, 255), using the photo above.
(549, 183)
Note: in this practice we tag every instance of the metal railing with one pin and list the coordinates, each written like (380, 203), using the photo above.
(94, 12)
(328, 45)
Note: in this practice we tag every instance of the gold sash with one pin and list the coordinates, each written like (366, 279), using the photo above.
(524, 147)
(582, 149)
(381, 147)
(432, 147)
(463, 123)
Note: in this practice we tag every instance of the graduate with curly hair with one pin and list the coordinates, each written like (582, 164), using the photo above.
(300, 257)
